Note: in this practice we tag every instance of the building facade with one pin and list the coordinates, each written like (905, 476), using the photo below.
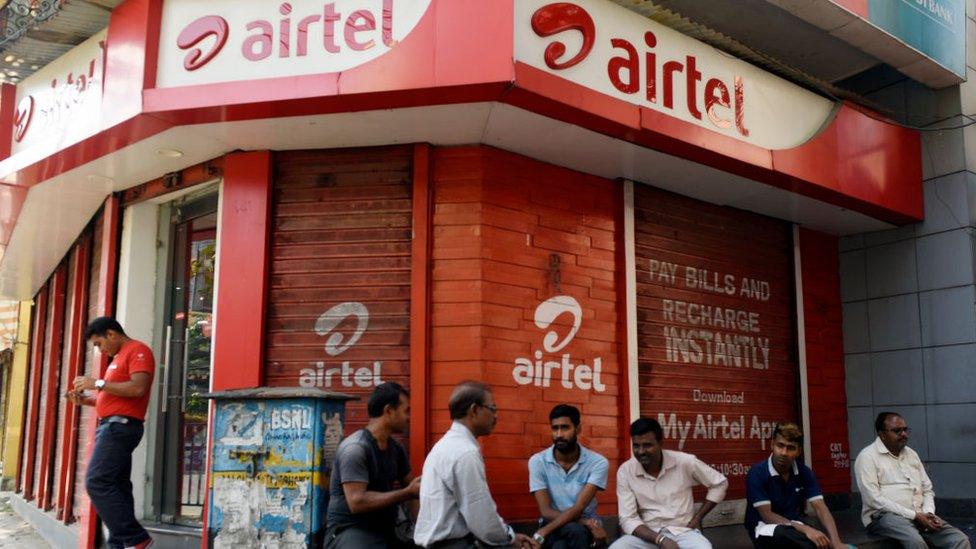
(907, 292)
(14, 320)
(573, 202)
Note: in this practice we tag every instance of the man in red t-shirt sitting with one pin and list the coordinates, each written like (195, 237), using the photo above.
(120, 402)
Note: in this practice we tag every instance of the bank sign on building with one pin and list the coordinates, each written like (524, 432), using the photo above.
(565, 200)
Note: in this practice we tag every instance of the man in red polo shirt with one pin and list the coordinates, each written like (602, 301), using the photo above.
(120, 402)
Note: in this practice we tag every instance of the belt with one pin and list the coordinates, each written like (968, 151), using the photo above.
(118, 419)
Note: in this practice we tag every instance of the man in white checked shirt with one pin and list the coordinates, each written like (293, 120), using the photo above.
(456, 508)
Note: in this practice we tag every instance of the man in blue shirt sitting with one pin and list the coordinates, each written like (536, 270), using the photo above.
(777, 490)
(564, 478)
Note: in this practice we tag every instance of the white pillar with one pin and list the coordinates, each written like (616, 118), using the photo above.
(801, 341)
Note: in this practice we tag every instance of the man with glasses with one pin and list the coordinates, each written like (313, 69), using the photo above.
(896, 493)
(456, 508)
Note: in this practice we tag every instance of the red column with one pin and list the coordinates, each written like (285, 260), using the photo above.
(244, 242)
(242, 277)
(8, 109)
(132, 48)
(420, 306)
(831, 458)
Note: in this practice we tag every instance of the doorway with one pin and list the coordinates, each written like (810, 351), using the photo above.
(188, 323)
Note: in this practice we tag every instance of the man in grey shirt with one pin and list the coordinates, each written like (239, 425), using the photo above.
(456, 508)
(371, 476)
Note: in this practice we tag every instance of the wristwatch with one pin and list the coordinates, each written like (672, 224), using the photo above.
(99, 384)
(539, 538)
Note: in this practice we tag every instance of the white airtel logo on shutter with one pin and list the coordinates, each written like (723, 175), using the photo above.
(336, 344)
(541, 372)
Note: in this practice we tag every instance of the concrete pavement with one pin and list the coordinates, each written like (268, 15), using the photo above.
(14, 531)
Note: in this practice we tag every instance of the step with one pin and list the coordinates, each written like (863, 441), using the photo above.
(170, 536)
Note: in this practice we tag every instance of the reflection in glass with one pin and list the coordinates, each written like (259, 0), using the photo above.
(196, 374)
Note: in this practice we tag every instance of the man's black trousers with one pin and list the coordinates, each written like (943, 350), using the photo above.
(109, 485)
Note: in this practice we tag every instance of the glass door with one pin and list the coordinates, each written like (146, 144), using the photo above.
(189, 322)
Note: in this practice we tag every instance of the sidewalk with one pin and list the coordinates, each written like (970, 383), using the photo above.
(848, 525)
(14, 531)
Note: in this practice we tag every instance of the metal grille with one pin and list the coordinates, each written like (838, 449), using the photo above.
(19, 16)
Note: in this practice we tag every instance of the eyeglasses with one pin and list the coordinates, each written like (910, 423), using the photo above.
(900, 430)
(492, 408)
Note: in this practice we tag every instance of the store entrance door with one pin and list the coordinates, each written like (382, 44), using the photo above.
(189, 321)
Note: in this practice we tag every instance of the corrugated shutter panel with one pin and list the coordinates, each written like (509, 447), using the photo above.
(38, 318)
(49, 358)
(80, 499)
(340, 264)
(63, 381)
(716, 334)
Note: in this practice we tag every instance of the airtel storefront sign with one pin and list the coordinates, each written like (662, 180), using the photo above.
(61, 103)
(609, 49)
(231, 40)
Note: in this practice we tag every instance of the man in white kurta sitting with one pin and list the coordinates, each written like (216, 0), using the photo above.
(654, 498)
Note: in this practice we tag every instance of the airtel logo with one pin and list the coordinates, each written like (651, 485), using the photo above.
(336, 344)
(23, 117)
(548, 311)
(328, 37)
(635, 66)
(66, 100)
(541, 372)
(198, 31)
(560, 17)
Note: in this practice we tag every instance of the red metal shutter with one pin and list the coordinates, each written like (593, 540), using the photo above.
(61, 384)
(79, 499)
(339, 303)
(716, 332)
(42, 403)
(75, 346)
(38, 342)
